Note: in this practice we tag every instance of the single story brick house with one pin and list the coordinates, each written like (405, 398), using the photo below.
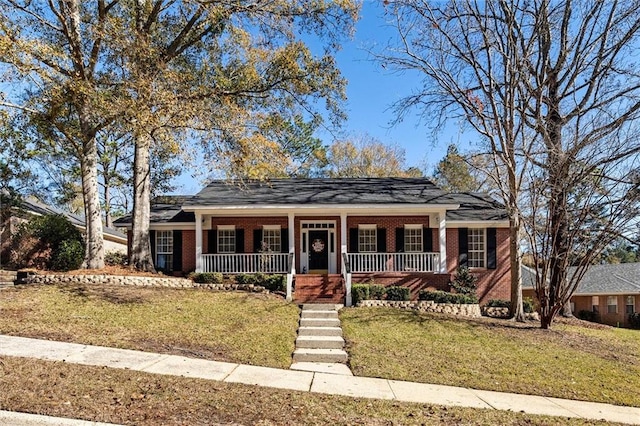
(327, 234)
(610, 291)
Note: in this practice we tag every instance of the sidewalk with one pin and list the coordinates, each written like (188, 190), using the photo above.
(363, 387)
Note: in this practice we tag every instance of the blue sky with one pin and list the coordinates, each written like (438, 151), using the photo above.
(371, 91)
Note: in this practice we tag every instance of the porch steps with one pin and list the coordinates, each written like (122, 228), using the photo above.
(314, 288)
(7, 278)
(320, 346)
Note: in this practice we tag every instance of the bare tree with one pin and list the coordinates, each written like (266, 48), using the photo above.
(553, 89)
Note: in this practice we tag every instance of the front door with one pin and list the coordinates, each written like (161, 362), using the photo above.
(318, 251)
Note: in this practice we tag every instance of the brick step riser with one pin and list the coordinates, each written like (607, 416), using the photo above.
(301, 300)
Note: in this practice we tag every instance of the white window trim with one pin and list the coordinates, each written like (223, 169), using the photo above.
(484, 248)
(368, 227)
(225, 228)
(413, 227)
(159, 235)
(273, 228)
(633, 304)
(615, 299)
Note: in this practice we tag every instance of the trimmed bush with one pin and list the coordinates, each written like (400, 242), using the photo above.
(116, 258)
(398, 293)
(528, 305)
(634, 320)
(207, 277)
(69, 255)
(588, 315)
(359, 292)
(247, 278)
(275, 282)
(439, 296)
(377, 292)
(499, 303)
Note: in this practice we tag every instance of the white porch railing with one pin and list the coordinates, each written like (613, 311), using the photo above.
(246, 263)
(394, 262)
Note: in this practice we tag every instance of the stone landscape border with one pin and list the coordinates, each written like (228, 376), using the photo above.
(133, 280)
(464, 310)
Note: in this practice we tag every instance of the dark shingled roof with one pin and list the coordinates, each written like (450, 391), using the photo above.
(354, 191)
(321, 191)
(623, 278)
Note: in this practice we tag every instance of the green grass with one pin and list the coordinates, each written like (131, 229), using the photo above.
(570, 361)
(237, 327)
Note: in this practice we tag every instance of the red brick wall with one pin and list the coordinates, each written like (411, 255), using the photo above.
(189, 251)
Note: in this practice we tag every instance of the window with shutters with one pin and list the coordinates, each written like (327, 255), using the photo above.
(413, 238)
(477, 248)
(271, 238)
(367, 241)
(226, 239)
(164, 250)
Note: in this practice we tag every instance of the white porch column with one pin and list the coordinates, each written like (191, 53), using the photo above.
(292, 250)
(442, 225)
(198, 242)
(343, 249)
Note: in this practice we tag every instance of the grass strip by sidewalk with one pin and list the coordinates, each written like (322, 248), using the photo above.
(129, 397)
(240, 327)
(571, 361)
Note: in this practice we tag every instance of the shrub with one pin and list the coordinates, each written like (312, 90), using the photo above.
(588, 315)
(634, 320)
(377, 292)
(68, 256)
(499, 303)
(359, 292)
(398, 293)
(116, 258)
(464, 282)
(275, 282)
(439, 296)
(246, 278)
(528, 305)
(207, 277)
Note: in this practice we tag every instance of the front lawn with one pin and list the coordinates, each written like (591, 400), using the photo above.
(237, 327)
(571, 361)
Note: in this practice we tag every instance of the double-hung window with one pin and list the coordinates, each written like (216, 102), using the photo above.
(413, 239)
(164, 250)
(367, 239)
(477, 248)
(226, 239)
(630, 305)
(612, 304)
(271, 238)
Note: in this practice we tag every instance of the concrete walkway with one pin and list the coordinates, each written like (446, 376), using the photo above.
(362, 387)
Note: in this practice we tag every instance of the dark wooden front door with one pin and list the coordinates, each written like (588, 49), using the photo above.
(318, 251)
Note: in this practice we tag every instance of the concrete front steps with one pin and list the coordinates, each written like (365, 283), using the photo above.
(320, 346)
(7, 278)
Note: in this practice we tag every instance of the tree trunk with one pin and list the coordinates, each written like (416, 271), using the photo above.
(94, 251)
(516, 309)
(108, 219)
(566, 310)
(141, 258)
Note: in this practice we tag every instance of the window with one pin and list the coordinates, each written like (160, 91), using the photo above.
(164, 250)
(612, 304)
(631, 305)
(271, 238)
(476, 250)
(595, 303)
(226, 239)
(367, 242)
(413, 238)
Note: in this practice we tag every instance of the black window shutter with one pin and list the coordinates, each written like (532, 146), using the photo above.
(463, 244)
(240, 240)
(257, 240)
(152, 242)
(427, 240)
(212, 241)
(491, 248)
(284, 240)
(177, 250)
(381, 238)
(353, 240)
(399, 240)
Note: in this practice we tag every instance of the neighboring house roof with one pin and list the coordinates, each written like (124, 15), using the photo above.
(326, 192)
(35, 207)
(623, 278)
